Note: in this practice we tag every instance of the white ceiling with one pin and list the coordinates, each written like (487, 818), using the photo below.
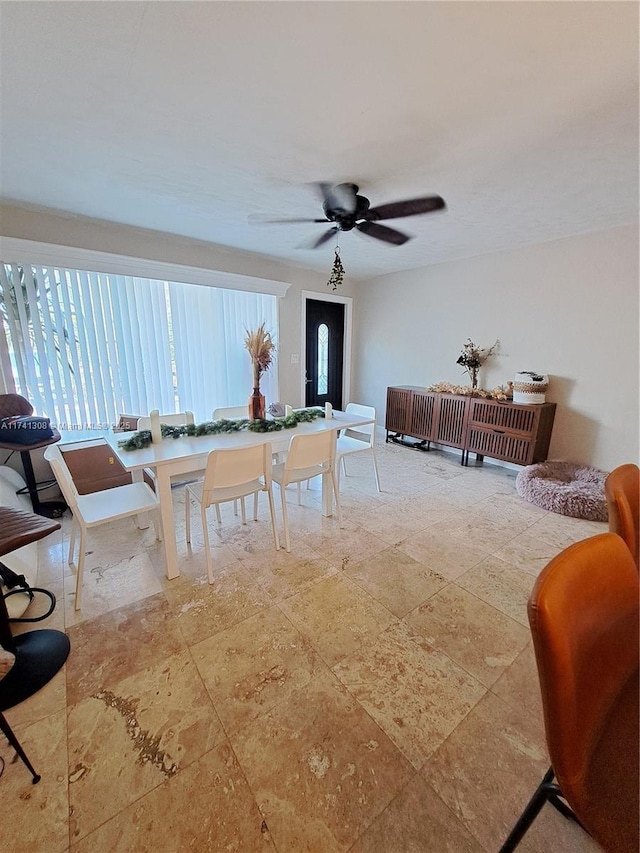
(196, 118)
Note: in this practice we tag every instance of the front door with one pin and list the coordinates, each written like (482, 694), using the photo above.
(324, 353)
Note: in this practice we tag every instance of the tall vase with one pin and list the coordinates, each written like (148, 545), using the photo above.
(257, 410)
(474, 377)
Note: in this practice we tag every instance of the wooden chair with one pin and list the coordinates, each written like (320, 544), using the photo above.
(92, 510)
(231, 475)
(584, 617)
(621, 489)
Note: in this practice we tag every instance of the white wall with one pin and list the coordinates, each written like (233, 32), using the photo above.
(48, 226)
(567, 308)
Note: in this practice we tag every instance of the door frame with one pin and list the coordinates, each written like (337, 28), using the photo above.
(347, 301)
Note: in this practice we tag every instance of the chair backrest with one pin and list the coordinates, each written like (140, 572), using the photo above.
(127, 423)
(305, 451)
(367, 430)
(173, 419)
(230, 413)
(621, 489)
(55, 458)
(234, 466)
(584, 617)
(14, 404)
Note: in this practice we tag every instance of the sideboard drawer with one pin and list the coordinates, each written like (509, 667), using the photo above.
(499, 444)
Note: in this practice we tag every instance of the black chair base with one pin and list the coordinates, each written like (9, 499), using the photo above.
(39, 656)
(547, 791)
(15, 743)
(50, 509)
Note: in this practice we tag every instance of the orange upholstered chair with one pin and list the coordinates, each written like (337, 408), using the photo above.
(584, 617)
(621, 489)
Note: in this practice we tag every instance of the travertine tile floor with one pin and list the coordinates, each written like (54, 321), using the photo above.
(374, 691)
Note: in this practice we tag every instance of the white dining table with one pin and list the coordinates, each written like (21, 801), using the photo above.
(187, 455)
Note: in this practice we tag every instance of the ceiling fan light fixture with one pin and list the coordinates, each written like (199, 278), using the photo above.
(345, 210)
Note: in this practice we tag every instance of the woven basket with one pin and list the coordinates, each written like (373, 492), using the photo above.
(527, 389)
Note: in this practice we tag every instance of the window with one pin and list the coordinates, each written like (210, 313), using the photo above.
(84, 346)
(323, 358)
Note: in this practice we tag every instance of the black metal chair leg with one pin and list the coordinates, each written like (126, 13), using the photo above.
(530, 813)
(563, 808)
(15, 743)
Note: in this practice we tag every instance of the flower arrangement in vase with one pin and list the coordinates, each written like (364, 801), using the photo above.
(260, 346)
(473, 357)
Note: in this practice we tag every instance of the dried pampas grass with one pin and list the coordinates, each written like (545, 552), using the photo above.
(260, 346)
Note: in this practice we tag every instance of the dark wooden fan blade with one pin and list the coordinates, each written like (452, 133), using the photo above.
(340, 198)
(263, 220)
(381, 232)
(410, 207)
(314, 244)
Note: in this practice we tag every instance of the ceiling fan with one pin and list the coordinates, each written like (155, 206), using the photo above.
(348, 210)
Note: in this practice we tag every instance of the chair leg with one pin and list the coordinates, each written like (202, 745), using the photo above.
(285, 517)
(535, 804)
(375, 468)
(561, 806)
(207, 546)
(72, 541)
(80, 571)
(15, 743)
(157, 525)
(336, 495)
(243, 512)
(272, 510)
(300, 493)
(187, 515)
(255, 506)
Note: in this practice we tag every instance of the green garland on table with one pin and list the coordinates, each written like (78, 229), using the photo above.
(142, 439)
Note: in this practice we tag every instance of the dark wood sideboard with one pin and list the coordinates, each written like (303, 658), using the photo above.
(499, 429)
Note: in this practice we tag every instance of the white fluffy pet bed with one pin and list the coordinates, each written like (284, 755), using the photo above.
(566, 488)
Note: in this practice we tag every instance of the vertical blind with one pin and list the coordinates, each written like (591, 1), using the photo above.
(83, 347)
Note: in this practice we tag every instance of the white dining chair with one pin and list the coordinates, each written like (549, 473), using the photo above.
(360, 440)
(236, 413)
(231, 475)
(307, 457)
(230, 413)
(98, 508)
(171, 419)
(153, 420)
